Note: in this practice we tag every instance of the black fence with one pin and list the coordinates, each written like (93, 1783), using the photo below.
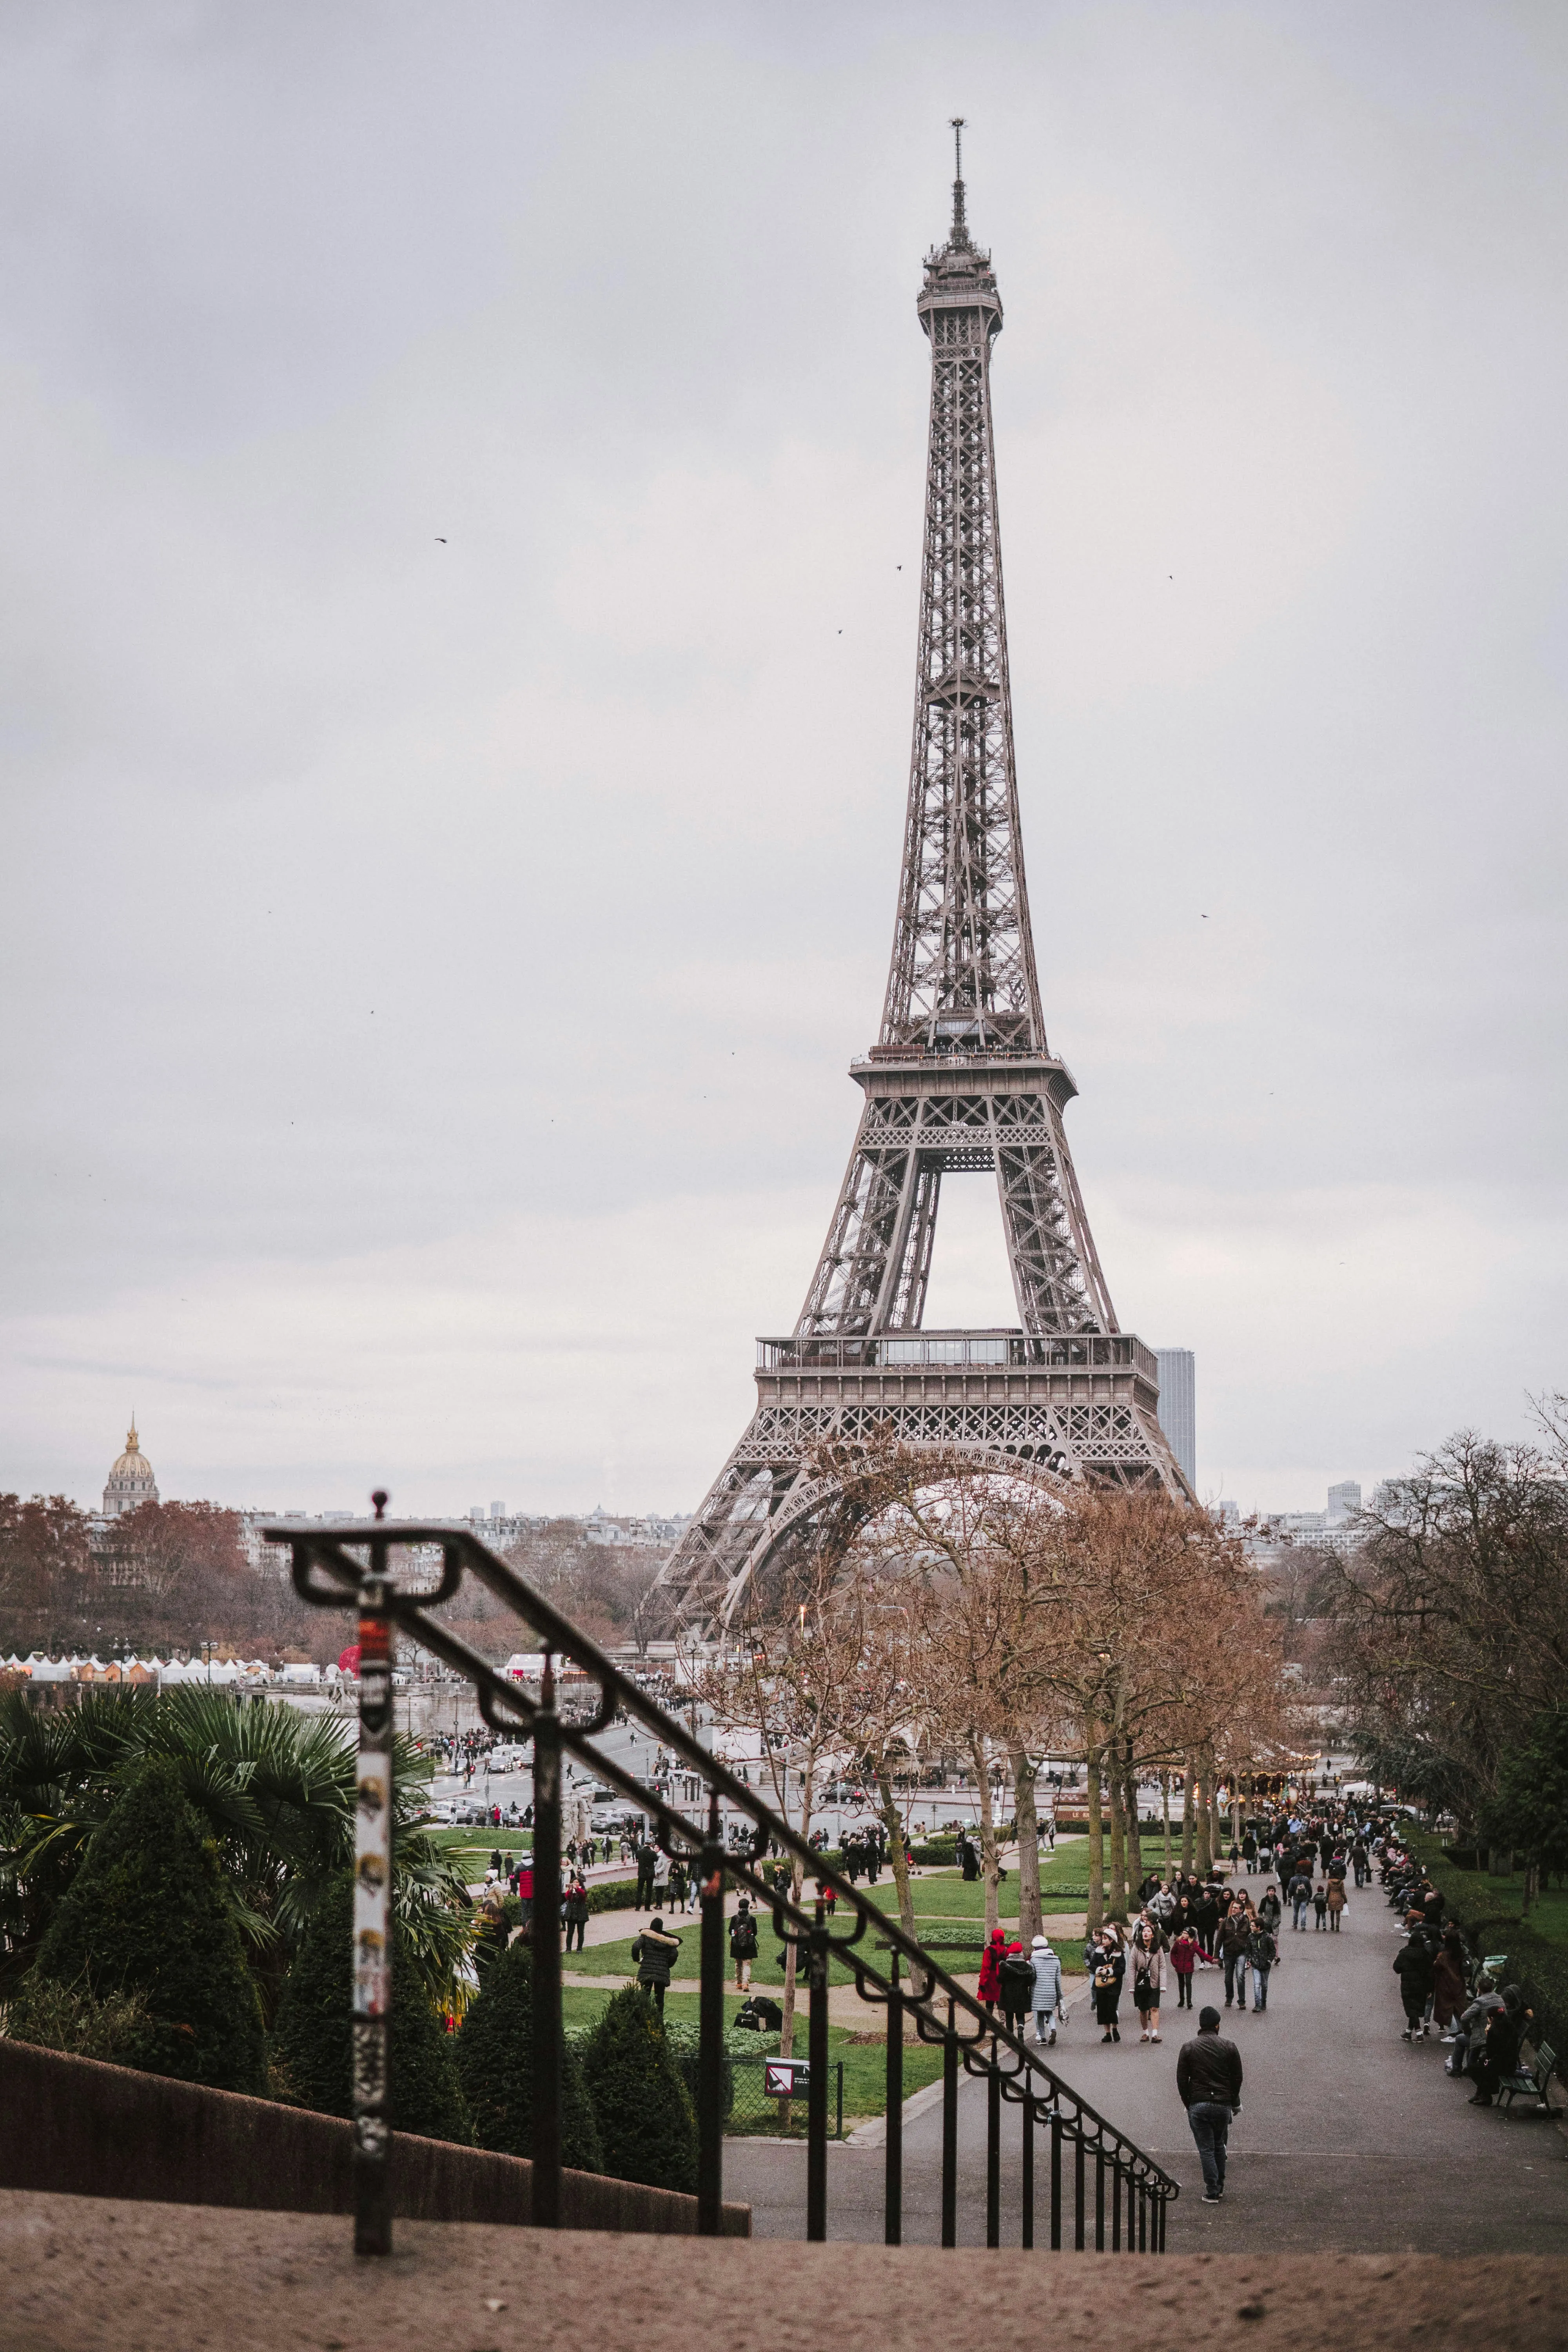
(1098, 2187)
(772, 2097)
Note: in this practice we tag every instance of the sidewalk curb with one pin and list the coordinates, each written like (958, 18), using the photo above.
(874, 2134)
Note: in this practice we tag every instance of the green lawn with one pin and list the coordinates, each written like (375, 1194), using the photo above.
(950, 1934)
(864, 2063)
(1547, 1915)
(616, 1959)
(472, 1849)
(947, 1895)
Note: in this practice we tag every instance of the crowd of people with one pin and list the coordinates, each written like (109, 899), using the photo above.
(1482, 2023)
(1192, 1922)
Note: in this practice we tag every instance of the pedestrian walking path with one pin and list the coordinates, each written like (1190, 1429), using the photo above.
(1349, 2138)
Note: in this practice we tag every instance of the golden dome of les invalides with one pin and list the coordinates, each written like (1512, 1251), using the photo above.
(131, 1481)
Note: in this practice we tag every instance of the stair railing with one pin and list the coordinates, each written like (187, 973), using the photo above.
(335, 1569)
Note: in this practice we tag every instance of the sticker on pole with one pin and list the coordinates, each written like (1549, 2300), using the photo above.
(787, 2078)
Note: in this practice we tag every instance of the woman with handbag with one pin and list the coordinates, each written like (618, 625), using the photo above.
(1148, 1982)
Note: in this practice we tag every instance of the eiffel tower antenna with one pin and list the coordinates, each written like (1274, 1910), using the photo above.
(962, 1077)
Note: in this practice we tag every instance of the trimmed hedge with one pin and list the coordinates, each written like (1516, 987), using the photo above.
(648, 2126)
(685, 2042)
(612, 1894)
(311, 2041)
(495, 2065)
(1474, 1899)
(148, 1913)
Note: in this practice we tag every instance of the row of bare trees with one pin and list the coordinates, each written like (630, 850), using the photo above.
(167, 1576)
(997, 1619)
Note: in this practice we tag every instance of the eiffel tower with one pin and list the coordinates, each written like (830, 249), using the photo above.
(961, 1077)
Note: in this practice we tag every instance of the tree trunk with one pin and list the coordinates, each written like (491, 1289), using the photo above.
(1135, 1834)
(1096, 1834)
(1027, 1822)
(1204, 1812)
(990, 1859)
(796, 1882)
(893, 1821)
(1116, 1897)
(1165, 1817)
(786, 2030)
(1188, 1857)
(1217, 1818)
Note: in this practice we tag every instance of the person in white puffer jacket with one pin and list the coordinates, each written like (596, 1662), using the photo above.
(1047, 1990)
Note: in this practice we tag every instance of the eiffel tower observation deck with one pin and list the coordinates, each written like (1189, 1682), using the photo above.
(961, 1078)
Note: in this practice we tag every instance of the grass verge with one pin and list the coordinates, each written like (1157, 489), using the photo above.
(864, 2062)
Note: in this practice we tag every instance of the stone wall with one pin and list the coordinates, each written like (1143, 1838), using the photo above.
(83, 2129)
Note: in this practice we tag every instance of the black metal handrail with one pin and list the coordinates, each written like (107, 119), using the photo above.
(942, 2012)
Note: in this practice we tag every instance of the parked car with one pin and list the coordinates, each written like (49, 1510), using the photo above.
(621, 1820)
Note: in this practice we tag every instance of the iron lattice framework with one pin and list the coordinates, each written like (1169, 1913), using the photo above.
(961, 1078)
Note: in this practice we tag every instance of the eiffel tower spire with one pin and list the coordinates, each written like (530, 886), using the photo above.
(962, 972)
(961, 1078)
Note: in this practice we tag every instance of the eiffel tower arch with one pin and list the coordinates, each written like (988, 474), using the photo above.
(961, 1078)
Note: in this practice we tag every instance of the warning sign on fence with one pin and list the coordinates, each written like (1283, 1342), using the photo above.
(787, 2078)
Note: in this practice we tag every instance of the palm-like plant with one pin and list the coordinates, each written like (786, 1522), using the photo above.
(276, 1787)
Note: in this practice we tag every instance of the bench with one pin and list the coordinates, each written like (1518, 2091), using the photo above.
(1535, 2084)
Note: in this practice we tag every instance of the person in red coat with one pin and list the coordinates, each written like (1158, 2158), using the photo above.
(991, 1967)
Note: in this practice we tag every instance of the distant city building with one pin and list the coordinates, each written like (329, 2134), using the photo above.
(652, 1532)
(1179, 1407)
(498, 1528)
(1333, 1530)
(1228, 1514)
(275, 1556)
(131, 1482)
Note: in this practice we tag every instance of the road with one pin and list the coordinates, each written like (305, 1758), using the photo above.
(1349, 2138)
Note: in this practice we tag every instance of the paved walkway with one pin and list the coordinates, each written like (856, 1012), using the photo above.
(81, 2274)
(1351, 2139)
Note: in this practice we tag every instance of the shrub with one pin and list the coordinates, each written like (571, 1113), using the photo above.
(149, 1913)
(647, 2127)
(495, 2066)
(685, 2043)
(310, 2042)
(1474, 1899)
(613, 1895)
(64, 2017)
(1530, 1810)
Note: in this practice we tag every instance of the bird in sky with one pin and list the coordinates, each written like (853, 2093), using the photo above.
(439, 540)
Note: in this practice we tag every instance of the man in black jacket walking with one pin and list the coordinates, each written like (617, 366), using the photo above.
(1208, 2078)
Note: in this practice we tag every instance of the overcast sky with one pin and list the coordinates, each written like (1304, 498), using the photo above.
(457, 696)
